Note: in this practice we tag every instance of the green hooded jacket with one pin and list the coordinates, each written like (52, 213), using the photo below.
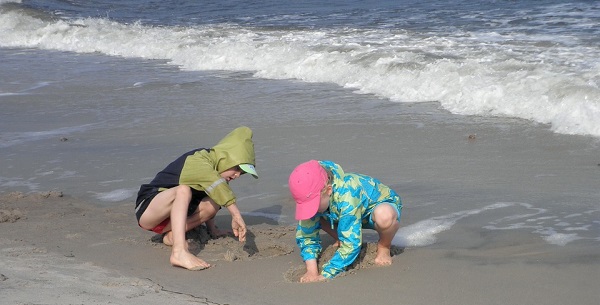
(200, 169)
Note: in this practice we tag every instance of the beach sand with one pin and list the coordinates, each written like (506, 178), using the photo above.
(502, 211)
(58, 250)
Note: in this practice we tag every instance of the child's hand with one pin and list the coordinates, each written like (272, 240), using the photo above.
(237, 222)
(309, 278)
(312, 272)
(239, 228)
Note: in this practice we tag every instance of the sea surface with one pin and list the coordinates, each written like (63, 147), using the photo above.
(113, 82)
(535, 60)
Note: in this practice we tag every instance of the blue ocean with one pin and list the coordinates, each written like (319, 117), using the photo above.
(533, 60)
(97, 96)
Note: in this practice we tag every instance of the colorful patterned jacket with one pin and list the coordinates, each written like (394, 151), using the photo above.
(353, 199)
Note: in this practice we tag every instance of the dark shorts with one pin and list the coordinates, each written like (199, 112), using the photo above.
(147, 193)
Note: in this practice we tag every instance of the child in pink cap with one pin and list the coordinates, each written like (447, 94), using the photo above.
(341, 204)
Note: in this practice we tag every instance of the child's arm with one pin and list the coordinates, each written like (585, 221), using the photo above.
(237, 222)
(309, 242)
(349, 231)
(312, 272)
(308, 238)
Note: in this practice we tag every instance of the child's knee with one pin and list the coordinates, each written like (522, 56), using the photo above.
(183, 191)
(384, 216)
(209, 205)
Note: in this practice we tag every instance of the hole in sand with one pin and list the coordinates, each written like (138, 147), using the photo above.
(366, 259)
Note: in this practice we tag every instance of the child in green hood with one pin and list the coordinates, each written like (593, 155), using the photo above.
(192, 189)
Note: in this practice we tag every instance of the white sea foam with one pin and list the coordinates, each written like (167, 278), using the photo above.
(116, 195)
(423, 233)
(473, 74)
(560, 239)
(11, 93)
(26, 91)
(8, 139)
(276, 217)
(551, 229)
(18, 183)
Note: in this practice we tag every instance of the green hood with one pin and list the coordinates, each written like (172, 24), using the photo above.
(201, 171)
(234, 149)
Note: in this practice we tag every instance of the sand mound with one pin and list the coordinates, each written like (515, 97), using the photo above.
(261, 242)
(10, 215)
(14, 196)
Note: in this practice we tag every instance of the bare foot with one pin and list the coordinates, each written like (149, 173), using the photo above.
(184, 259)
(383, 257)
(168, 238)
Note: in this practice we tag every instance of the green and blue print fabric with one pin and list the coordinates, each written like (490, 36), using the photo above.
(353, 199)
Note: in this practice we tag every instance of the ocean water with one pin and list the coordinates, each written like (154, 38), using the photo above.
(535, 60)
(119, 82)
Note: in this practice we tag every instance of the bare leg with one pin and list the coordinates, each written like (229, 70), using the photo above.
(386, 224)
(326, 226)
(207, 209)
(173, 203)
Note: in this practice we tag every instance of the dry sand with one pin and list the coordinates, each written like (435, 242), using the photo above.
(57, 250)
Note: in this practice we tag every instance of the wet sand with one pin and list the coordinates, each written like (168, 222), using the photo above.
(93, 128)
(56, 249)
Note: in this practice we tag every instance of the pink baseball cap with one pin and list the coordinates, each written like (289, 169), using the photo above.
(306, 182)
